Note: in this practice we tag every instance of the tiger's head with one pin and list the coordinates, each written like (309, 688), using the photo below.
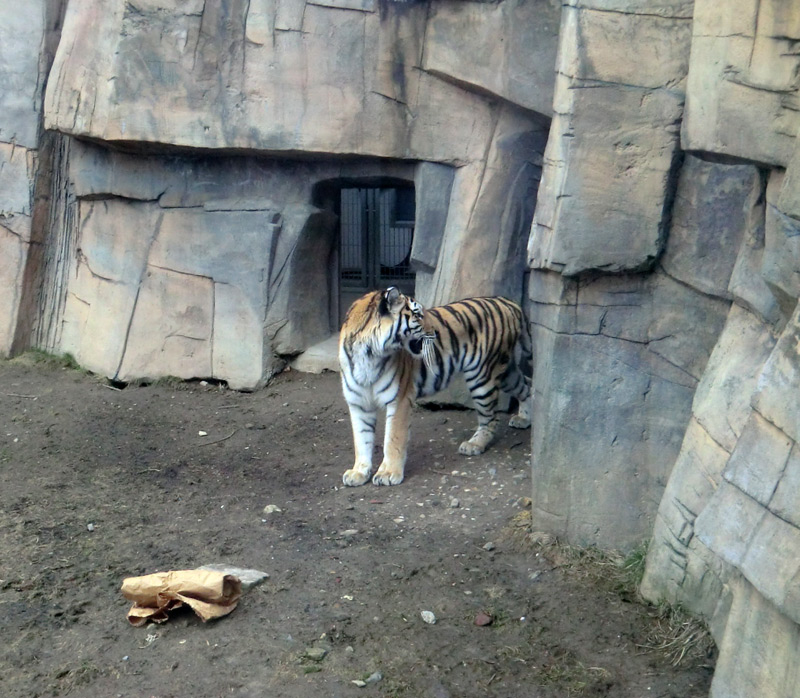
(385, 322)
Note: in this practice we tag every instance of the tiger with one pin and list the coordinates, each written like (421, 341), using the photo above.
(392, 351)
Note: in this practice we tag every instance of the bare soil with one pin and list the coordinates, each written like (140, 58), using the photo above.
(99, 484)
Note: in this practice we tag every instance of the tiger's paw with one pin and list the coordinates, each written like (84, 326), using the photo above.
(477, 443)
(467, 448)
(519, 421)
(355, 477)
(387, 475)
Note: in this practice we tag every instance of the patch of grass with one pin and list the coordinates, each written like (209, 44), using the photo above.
(633, 566)
(571, 676)
(394, 687)
(38, 357)
(607, 568)
(168, 382)
(679, 636)
(676, 634)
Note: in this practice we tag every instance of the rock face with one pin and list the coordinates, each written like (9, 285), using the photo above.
(22, 30)
(155, 261)
(180, 216)
(617, 109)
(743, 81)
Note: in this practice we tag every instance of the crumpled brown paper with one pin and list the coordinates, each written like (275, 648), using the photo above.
(208, 593)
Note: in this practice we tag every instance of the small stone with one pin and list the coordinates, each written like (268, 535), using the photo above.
(533, 576)
(202, 433)
(483, 619)
(272, 509)
(359, 683)
(489, 546)
(90, 527)
(248, 577)
(428, 617)
(374, 677)
(350, 532)
(315, 654)
(455, 503)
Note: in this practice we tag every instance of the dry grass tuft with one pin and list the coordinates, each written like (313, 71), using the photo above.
(679, 637)
(570, 675)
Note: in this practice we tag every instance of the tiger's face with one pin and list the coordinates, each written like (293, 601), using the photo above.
(408, 315)
(384, 322)
(415, 330)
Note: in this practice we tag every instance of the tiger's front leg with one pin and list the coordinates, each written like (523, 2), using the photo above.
(395, 443)
(363, 423)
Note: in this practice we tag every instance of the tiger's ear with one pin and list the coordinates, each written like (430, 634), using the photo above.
(391, 301)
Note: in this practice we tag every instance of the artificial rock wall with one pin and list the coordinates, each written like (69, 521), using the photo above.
(192, 140)
(174, 218)
(664, 302)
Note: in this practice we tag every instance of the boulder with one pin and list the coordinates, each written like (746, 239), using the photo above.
(613, 150)
(637, 345)
(22, 33)
(765, 665)
(741, 86)
(708, 215)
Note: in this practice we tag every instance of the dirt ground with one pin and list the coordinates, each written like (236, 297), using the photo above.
(99, 484)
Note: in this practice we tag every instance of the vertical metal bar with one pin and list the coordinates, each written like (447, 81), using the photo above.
(369, 216)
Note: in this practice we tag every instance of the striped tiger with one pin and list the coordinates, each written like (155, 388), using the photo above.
(392, 351)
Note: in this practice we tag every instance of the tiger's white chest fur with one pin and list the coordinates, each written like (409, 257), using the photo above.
(367, 365)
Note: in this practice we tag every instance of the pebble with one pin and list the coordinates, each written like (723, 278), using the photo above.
(489, 546)
(350, 532)
(90, 527)
(248, 577)
(374, 677)
(455, 503)
(315, 654)
(428, 617)
(483, 619)
(272, 509)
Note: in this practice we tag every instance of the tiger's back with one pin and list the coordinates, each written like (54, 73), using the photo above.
(472, 336)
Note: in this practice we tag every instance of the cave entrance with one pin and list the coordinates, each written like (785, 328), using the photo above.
(376, 230)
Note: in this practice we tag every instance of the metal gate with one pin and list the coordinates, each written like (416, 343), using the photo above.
(377, 229)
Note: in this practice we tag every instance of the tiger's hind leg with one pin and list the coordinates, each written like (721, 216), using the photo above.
(518, 385)
(522, 419)
(484, 394)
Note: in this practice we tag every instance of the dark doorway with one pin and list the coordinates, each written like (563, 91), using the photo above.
(376, 233)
